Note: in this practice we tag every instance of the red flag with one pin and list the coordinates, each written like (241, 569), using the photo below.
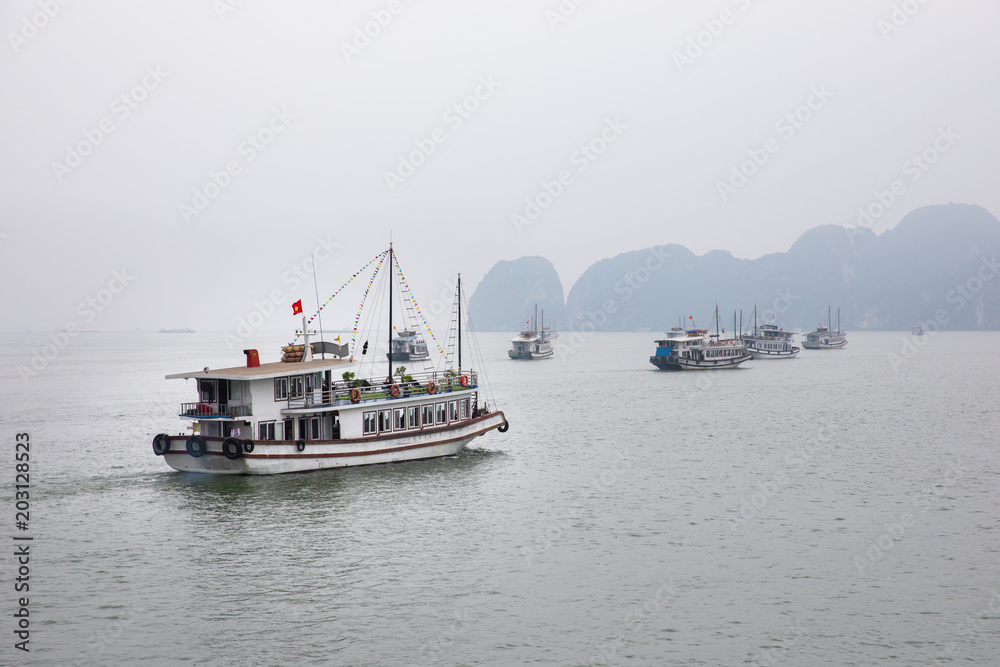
(297, 307)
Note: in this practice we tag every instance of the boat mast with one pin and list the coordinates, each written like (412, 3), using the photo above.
(460, 323)
(390, 311)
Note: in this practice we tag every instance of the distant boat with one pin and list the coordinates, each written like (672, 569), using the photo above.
(642, 330)
(408, 346)
(918, 330)
(176, 330)
(533, 342)
(767, 341)
(825, 337)
(695, 350)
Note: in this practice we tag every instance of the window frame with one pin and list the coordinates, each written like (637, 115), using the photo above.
(413, 416)
(424, 410)
(441, 409)
(373, 415)
(266, 430)
(398, 416)
(283, 394)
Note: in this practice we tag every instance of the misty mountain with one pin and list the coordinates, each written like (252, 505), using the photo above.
(938, 261)
(507, 295)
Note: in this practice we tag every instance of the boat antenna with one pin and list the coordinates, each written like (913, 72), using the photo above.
(319, 312)
(459, 323)
(390, 305)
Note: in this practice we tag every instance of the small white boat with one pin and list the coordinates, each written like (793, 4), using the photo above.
(918, 330)
(409, 346)
(825, 337)
(767, 341)
(696, 350)
(533, 342)
(295, 415)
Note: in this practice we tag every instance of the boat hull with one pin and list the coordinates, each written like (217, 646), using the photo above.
(673, 363)
(276, 457)
(824, 346)
(775, 354)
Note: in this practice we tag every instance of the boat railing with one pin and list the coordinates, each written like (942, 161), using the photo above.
(371, 389)
(202, 409)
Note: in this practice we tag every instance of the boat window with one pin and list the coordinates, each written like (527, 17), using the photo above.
(287, 432)
(371, 425)
(442, 415)
(265, 431)
(399, 417)
(303, 428)
(314, 426)
(309, 384)
(295, 387)
(413, 416)
(280, 389)
(384, 420)
(453, 411)
(427, 418)
(465, 408)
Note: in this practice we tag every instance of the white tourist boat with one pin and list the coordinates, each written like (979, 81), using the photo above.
(918, 329)
(696, 350)
(826, 337)
(296, 415)
(409, 346)
(533, 342)
(767, 341)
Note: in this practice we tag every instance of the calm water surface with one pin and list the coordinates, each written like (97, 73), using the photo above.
(826, 510)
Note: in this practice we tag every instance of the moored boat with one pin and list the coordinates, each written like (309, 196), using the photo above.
(767, 341)
(826, 337)
(294, 415)
(533, 342)
(696, 350)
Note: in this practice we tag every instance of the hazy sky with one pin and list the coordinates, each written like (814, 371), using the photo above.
(619, 120)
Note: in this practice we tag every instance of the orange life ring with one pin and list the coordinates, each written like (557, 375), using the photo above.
(355, 395)
(464, 381)
(431, 387)
(394, 391)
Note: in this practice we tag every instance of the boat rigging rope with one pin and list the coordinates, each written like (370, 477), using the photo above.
(402, 278)
(356, 274)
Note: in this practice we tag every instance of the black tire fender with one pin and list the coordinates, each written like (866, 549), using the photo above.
(161, 444)
(232, 448)
(196, 446)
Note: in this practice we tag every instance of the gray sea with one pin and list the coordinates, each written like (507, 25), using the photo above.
(840, 508)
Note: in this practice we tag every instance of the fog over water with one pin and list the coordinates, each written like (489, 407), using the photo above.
(207, 149)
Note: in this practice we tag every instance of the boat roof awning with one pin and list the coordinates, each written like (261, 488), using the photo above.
(265, 371)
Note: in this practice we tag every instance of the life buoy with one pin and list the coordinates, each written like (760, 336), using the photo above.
(232, 448)
(503, 427)
(464, 381)
(196, 446)
(161, 444)
(394, 391)
(431, 387)
(300, 445)
(248, 446)
(355, 395)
